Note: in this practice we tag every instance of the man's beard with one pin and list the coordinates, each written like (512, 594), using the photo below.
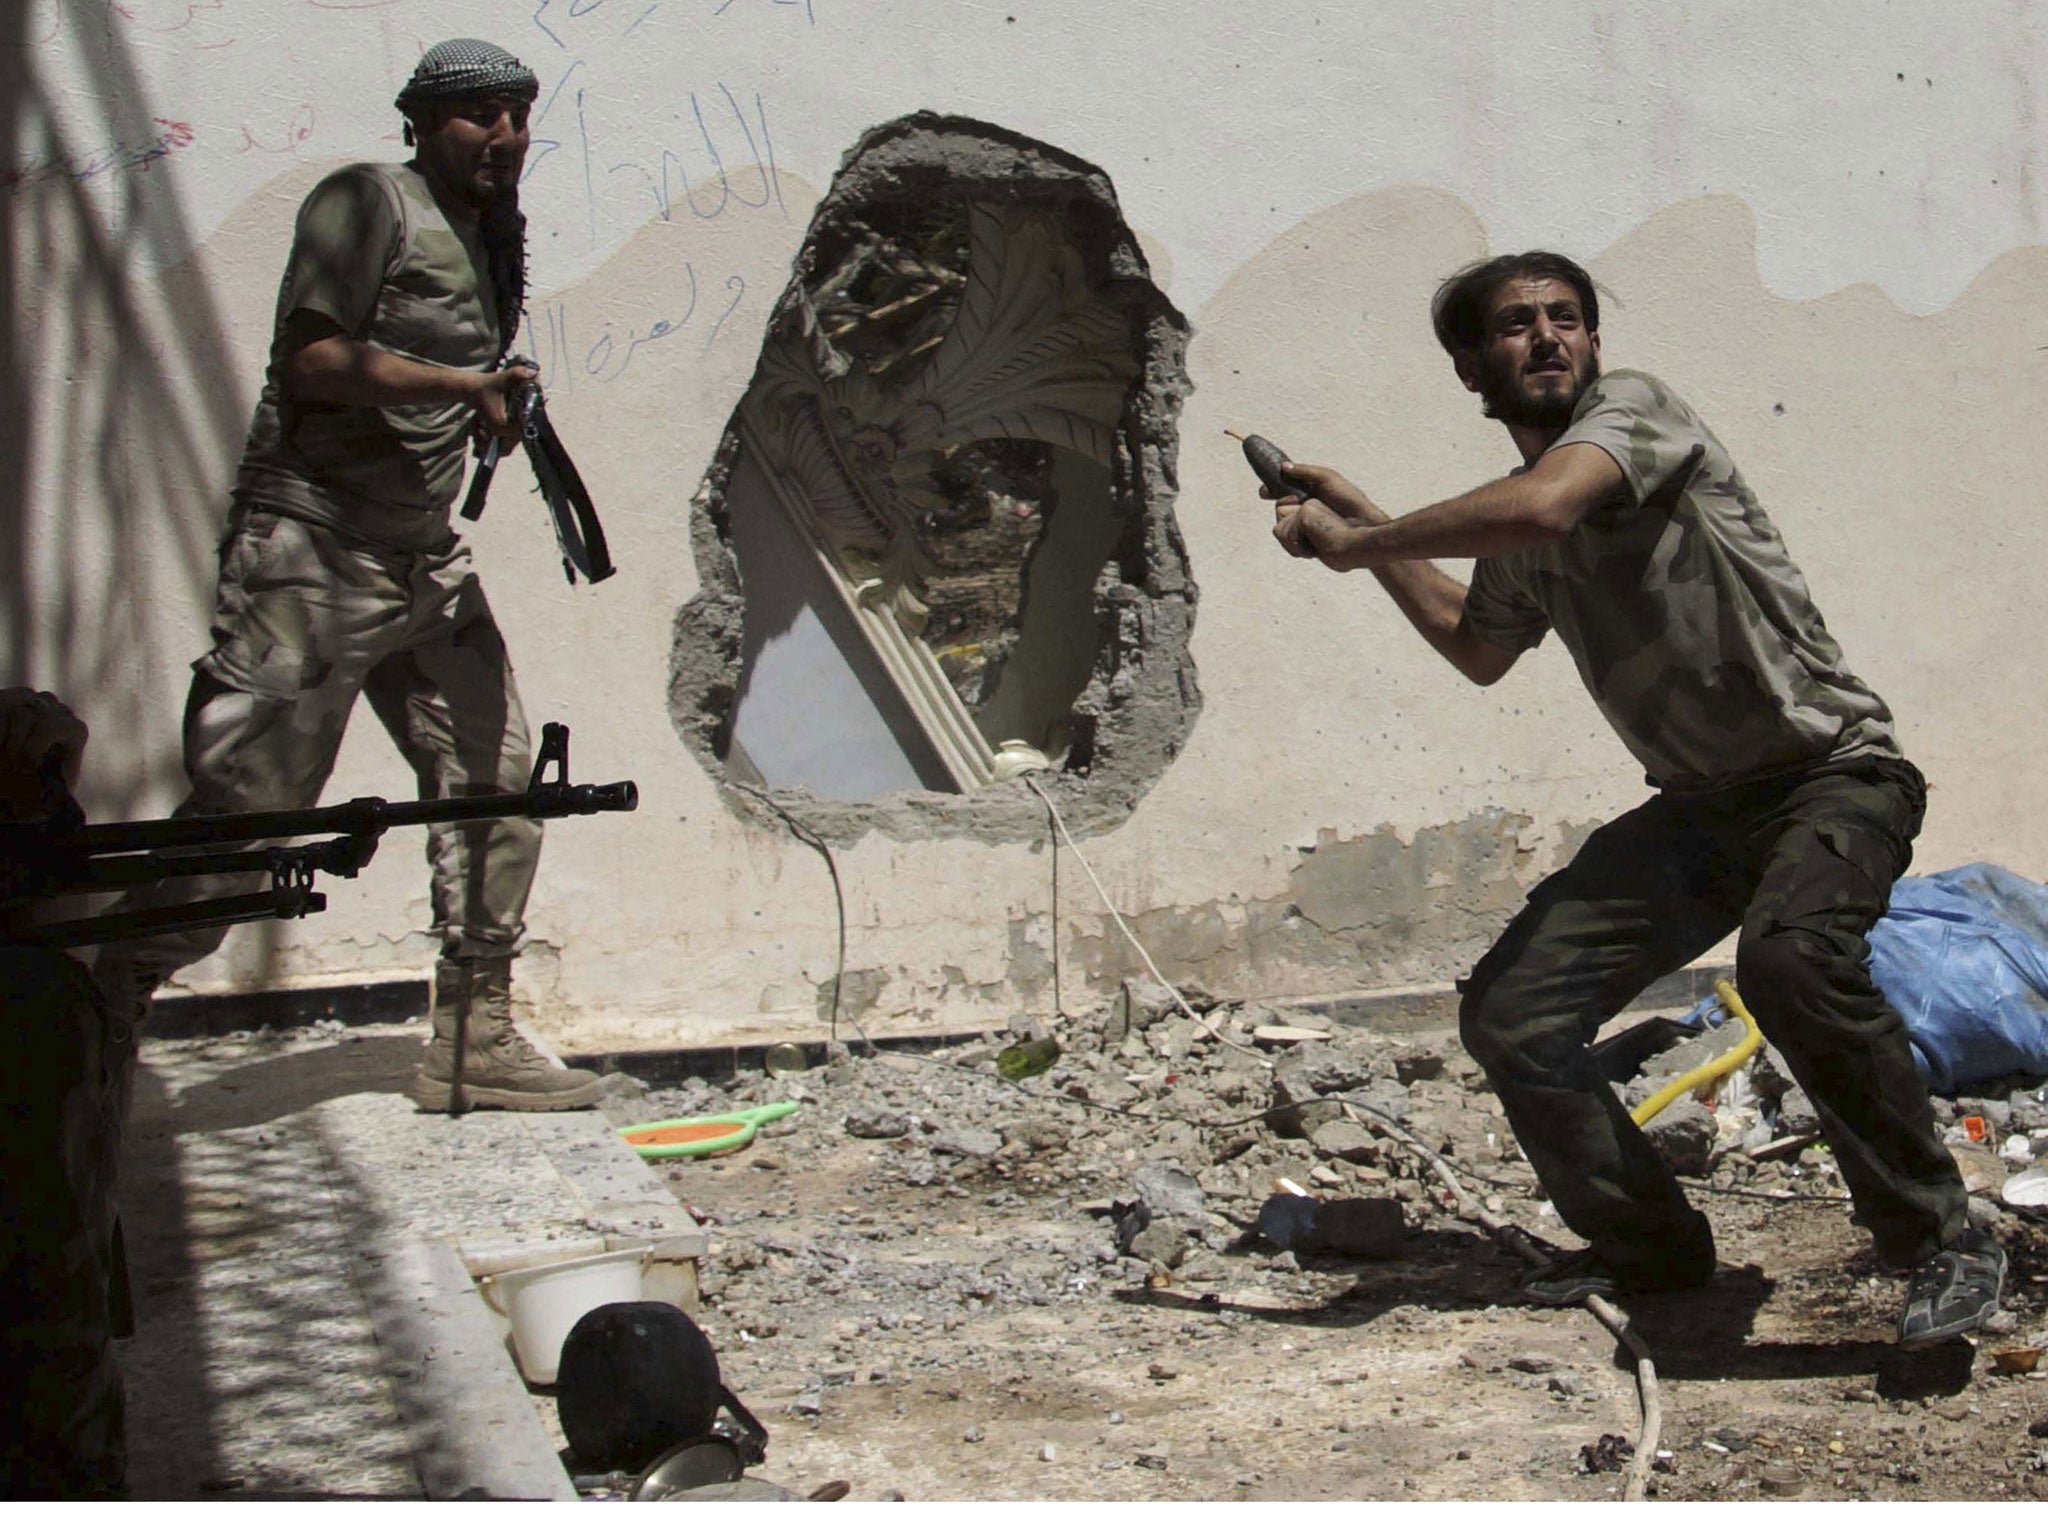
(1507, 399)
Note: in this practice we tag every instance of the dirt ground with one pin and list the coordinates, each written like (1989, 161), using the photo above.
(916, 1281)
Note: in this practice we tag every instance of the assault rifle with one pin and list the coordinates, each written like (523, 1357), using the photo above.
(65, 855)
(578, 533)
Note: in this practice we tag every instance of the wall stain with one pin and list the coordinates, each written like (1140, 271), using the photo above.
(1362, 912)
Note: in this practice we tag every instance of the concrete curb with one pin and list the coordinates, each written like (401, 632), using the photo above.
(473, 1429)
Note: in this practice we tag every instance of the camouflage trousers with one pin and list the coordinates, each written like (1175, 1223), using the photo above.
(1803, 865)
(304, 623)
(61, 1411)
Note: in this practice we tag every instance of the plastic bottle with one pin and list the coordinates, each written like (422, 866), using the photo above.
(1028, 1058)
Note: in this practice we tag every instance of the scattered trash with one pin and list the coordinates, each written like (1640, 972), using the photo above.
(1975, 1129)
(703, 1135)
(1028, 1058)
(1963, 956)
(635, 1377)
(1610, 1453)
(1781, 1479)
(781, 1060)
(2017, 1361)
(544, 1302)
(1356, 1228)
(2027, 1188)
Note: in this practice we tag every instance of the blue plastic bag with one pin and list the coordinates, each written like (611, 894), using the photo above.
(1963, 956)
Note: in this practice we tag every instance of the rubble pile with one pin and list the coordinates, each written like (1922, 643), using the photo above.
(927, 1243)
(1165, 1131)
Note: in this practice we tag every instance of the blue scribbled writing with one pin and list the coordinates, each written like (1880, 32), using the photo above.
(668, 177)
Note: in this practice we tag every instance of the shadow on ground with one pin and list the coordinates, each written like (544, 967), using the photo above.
(262, 1091)
(1699, 1335)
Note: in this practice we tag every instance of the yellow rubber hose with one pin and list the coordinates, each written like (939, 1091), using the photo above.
(1714, 1070)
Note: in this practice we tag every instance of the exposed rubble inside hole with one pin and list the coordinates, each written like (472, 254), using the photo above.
(938, 540)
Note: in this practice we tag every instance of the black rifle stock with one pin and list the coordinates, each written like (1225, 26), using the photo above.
(70, 856)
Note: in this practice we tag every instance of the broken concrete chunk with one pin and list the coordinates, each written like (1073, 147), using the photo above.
(1146, 1003)
(1160, 1246)
(1389, 1097)
(1287, 1034)
(1169, 1193)
(1795, 1114)
(1983, 1171)
(1769, 1075)
(1684, 1134)
(2029, 1112)
(873, 1124)
(1131, 1217)
(1102, 1087)
(1040, 1135)
(1311, 1071)
(1668, 1066)
(1345, 1141)
(1417, 1064)
(968, 1141)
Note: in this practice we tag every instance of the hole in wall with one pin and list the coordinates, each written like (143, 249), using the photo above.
(937, 545)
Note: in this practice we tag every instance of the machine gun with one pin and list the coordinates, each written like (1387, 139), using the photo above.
(65, 855)
(578, 533)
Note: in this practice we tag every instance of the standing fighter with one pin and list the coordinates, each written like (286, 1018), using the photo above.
(1783, 805)
(340, 574)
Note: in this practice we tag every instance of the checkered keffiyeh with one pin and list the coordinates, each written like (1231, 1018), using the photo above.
(467, 66)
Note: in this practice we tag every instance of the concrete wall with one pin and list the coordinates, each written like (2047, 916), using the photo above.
(1822, 224)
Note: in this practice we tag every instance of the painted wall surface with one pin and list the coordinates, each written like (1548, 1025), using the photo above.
(1822, 224)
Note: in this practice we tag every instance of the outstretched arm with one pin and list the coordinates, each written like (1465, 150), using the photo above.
(1342, 528)
(1430, 600)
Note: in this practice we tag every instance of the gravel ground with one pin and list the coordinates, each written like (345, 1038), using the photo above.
(936, 1284)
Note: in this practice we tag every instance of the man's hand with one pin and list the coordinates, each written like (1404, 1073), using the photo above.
(1319, 528)
(494, 409)
(322, 366)
(42, 746)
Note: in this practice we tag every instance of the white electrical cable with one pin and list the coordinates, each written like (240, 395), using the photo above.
(1117, 917)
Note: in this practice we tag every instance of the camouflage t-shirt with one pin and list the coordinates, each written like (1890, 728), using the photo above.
(1689, 623)
(376, 253)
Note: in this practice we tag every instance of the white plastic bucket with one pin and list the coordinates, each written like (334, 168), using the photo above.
(546, 1301)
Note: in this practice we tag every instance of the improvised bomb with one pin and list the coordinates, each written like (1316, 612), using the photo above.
(1265, 458)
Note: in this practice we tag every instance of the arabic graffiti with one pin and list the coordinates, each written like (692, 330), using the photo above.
(568, 353)
(669, 175)
(114, 157)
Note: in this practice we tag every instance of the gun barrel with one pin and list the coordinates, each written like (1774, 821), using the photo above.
(365, 816)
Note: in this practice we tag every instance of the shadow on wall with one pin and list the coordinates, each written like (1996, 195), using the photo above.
(120, 400)
(121, 407)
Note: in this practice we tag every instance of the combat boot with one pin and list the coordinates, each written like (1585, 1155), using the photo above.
(500, 1068)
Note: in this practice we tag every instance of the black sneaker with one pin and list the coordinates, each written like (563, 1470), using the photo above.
(1953, 1292)
(1568, 1281)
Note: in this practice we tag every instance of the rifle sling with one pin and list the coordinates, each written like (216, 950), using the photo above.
(582, 540)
